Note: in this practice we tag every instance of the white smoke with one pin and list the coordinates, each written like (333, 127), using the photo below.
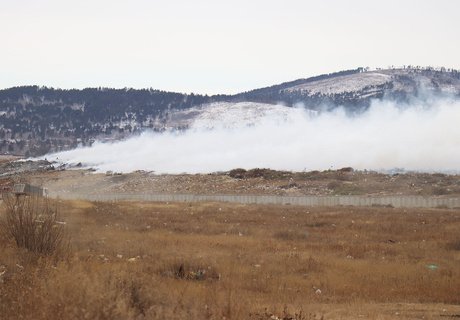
(419, 137)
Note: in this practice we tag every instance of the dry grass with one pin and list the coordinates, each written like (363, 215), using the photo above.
(33, 223)
(228, 261)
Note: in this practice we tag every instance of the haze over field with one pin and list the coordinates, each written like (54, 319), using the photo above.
(422, 136)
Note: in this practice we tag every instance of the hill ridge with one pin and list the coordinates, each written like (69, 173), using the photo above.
(35, 120)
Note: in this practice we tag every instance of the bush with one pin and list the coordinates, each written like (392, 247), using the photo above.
(189, 271)
(267, 174)
(291, 235)
(455, 245)
(237, 173)
(33, 223)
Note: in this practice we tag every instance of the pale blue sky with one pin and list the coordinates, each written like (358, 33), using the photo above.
(212, 46)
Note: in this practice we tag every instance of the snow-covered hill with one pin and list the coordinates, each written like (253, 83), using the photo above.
(408, 81)
(342, 84)
(37, 120)
(352, 90)
(231, 115)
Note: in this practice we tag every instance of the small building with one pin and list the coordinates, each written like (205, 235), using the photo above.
(28, 190)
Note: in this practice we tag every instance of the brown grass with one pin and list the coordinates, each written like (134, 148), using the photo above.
(33, 223)
(229, 261)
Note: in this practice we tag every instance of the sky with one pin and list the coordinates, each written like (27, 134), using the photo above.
(214, 46)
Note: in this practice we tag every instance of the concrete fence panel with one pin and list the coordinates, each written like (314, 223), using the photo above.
(394, 201)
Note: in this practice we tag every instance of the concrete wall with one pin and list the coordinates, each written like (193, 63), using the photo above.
(395, 201)
(24, 188)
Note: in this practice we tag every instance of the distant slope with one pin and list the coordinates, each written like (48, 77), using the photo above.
(276, 93)
(355, 89)
(228, 115)
(36, 120)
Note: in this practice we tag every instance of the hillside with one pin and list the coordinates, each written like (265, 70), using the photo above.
(354, 89)
(37, 120)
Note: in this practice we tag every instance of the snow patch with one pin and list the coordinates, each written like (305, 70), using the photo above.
(341, 84)
(232, 115)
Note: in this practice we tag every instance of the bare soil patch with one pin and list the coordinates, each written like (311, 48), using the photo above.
(252, 182)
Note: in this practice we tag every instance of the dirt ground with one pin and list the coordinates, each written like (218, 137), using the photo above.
(345, 181)
(259, 182)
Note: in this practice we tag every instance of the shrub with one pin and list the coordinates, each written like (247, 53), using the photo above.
(33, 223)
(439, 191)
(454, 245)
(267, 174)
(291, 235)
(237, 173)
(190, 271)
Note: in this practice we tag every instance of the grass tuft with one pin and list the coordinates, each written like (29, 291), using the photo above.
(33, 223)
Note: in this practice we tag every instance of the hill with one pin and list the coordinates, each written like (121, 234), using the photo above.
(36, 120)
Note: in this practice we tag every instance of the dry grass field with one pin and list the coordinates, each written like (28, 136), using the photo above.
(227, 261)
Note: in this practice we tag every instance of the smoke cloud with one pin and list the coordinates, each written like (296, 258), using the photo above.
(422, 136)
